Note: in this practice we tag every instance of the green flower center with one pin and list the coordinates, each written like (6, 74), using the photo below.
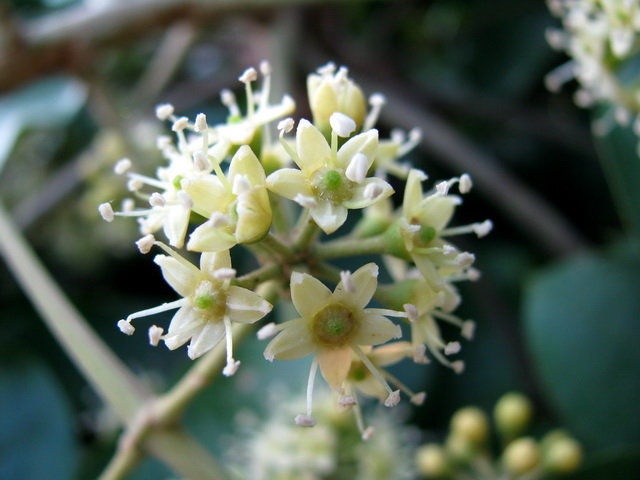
(210, 300)
(177, 182)
(333, 325)
(332, 185)
(358, 372)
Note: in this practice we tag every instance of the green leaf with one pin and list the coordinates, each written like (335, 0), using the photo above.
(36, 427)
(582, 319)
(47, 103)
(618, 152)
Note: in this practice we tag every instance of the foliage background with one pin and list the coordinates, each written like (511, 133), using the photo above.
(558, 314)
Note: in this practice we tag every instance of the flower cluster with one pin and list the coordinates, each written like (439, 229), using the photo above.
(601, 37)
(237, 183)
(465, 452)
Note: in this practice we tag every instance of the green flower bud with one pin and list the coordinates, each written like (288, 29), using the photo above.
(512, 414)
(561, 453)
(470, 424)
(431, 461)
(521, 456)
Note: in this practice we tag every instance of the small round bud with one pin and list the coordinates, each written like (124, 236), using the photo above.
(431, 461)
(562, 456)
(521, 456)
(512, 414)
(471, 424)
(459, 449)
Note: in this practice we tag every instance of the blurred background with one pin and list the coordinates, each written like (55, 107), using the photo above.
(558, 306)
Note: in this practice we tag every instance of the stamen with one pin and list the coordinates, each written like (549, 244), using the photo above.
(201, 162)
(418, 398)
(201, 123)
(185, 199)
(415, 136)
(228, 99)
(372, 191)
(106, 212)
(468, 329)
(374, 371)
(164, 111)
(347, 401)
(285, 126)
(393, 399)
(342, 125)
(224, 274)
(342, 75)
(163, 142)
(377, 101)
(267, 331)
(143, 179)
(465, 259)
(347, 281)
(420, 355)
(249, 75)
(126, 327)
(155, 332)
(134, 184)
(122, 166)
(159, 309)
(358, 167)
(241, 185)
(465, 184)
(157, 200)
(368, 433)
(219, 220)
(145, 243)
(128, 204)
(452, 348)
(307, 420)
(232, 365)
(180, 124)
(327, 69)
(482, 229)
(412, 311)
(458, 366)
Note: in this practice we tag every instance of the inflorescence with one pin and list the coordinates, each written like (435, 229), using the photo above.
(240, 182)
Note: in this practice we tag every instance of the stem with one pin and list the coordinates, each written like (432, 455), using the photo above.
(352, 246)
(262, 274)
(308, 232)
(277, 246)
(170, 406)
(122, 463)
(113, 381)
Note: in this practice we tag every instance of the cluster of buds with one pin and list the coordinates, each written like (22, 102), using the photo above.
(601, 37)
(237, 183)
(467, 449)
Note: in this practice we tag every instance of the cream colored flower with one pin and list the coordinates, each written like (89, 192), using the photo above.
(424, 227)
(208, 306)
(333, 325)
(237, 205)
(331, 180)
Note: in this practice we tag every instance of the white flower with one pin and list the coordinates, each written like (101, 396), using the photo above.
(208, 305)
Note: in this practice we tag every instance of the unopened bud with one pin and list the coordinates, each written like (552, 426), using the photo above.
(521, 456)
(431, 461)
(512, 414)
(471, 424)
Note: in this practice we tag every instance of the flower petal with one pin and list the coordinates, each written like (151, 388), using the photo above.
(210, 262)
(412, 193)
(313, 149)
(184, 324)
(245, 162)
(328, 216)
(365, 282)
(289, 182)
(182, 276)
(365, 143)
(208, 194)
(308, 294)
(254, 215)
(391, 353)
(376, 329)
(245, 306)
(334, 365)
(208, 337)
(207, 238)
(436, 211)
(175, 225)
(293, 342)
(358, 199)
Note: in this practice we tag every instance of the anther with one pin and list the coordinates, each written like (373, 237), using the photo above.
(482, 229)
(106, 211)
(201, 123)
(420, 355)
(224, 274)
(468, 329)
(327, 69)
(185, 199)
(265, 67)
(458, 366)
(306, 421)
(393, 399)
(368, 433)
(157, 200)
(125, 327)
(342, 125)
(122, 166)
(285, 125)
(346, 401)
(248, 76)
(134, 184)
(452, 348)
(412, 312)
(201, 162)
(347, 281)
(231, 368)
(267, 331)
(164, 111)
(357, 169)
(180, 124)
(465, 259)
(145, 243)
(155, 332)
(418, 398)
(465, 183)
(218, 220)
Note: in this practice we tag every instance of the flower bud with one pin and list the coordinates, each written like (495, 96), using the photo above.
(521, 456)
(561, 453)
(329, 93)
(470, 424)
(431, 461)
(512, 414)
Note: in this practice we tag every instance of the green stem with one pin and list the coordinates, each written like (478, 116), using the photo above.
(308, 231)
(277, 246)
(260, 275)
(114, 382)
(352, 246)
